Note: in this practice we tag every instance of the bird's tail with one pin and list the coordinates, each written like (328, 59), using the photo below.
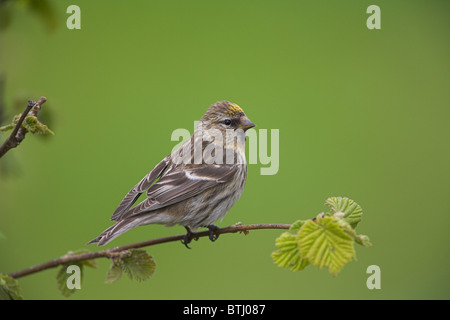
(114, 231)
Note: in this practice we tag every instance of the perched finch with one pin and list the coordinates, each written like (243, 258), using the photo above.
(196, 184)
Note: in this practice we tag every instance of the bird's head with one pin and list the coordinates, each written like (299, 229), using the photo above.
(225, 115)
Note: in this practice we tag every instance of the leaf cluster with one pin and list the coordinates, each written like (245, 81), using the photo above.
(30, 124)
(137, 264)
(325, 241)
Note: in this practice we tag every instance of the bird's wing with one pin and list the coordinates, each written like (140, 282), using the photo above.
(138, 189)
(183, 183)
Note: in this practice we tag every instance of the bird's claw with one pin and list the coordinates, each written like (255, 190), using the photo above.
(188, 238)
(213, 235)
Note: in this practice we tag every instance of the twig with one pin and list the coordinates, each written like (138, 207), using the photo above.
(111, 253)
(18, 133)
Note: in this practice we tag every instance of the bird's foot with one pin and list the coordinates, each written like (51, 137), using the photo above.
(188, 238)
(213, 235)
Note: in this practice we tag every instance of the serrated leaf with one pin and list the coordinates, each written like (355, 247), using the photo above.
(62, 277)
(9, 288)
(296, 226)
(139, 265)
(288, 255)
(114, 273)
(346, 208)
(325, 244)
(61, 280)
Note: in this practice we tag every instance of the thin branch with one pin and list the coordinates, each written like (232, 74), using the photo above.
(18, 133)
(111, 253)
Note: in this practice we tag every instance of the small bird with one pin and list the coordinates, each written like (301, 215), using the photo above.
(196, 184)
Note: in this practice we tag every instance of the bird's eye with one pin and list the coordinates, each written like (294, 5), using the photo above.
(227, 122)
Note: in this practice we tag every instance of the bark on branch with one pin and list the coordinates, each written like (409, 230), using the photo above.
(114, 252)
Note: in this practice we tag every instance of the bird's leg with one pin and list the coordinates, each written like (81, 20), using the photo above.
(188, 237)
(213, 235)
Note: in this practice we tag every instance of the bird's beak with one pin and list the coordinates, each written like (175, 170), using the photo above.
(245, 123)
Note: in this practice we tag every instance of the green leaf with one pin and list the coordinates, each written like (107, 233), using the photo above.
(288, 255)
(346, 208)
(325, 244)
(63, 276)
(296, 225)
(114, 273)
(137, 264)
(9, 288)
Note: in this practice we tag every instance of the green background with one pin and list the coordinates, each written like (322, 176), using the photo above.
(361, 113)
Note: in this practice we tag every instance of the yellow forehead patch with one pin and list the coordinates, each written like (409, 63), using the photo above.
(233, 109)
